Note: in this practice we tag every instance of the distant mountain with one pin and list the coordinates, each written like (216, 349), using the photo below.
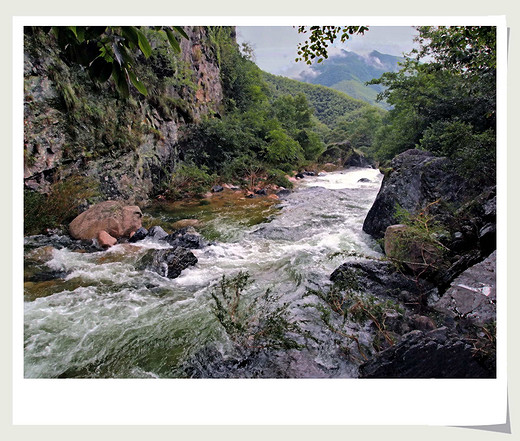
(348, 72)
(329, 104)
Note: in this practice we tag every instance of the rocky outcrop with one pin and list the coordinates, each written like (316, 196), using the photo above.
(130, 146)
(434, 354)
(472, 295)
(112, 217)
(415, 180)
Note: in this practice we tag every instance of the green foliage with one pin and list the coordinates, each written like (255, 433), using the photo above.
(328, 105)
(60, 206)
(259, 323)
(320, 38)
(359, 127)
(418, 246)
(281, 148)
(344, 301)
(111, 51)
(278, 177)
(448, 104)
(189, 181)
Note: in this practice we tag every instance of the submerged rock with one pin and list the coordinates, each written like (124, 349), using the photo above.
(114, 217)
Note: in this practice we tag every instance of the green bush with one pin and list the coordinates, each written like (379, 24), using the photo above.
(257, 323)
(277, 177)
(189, 181)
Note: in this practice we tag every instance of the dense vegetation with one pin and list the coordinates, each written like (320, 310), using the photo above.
(446, 106)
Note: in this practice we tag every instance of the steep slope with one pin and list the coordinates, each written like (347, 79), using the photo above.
(329, 105)
(76, 127)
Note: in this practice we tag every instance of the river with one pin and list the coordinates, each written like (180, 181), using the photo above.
(103, 317)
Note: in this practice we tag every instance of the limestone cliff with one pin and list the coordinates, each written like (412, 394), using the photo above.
(74, 126)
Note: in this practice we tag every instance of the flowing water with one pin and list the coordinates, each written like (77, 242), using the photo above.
(97, 315)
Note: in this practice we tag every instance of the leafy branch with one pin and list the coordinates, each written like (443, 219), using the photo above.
(111, 51)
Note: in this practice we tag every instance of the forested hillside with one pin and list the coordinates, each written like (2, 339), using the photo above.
(349, 72)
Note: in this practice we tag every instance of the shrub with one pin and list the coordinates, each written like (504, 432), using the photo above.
(189, 181)
(258, 323)
(278, 177)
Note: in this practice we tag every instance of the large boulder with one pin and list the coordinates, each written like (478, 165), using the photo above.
(114, 217)
(434, 354)
(380, 278)
(415, 180)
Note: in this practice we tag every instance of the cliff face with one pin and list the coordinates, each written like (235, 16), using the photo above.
(74, 126)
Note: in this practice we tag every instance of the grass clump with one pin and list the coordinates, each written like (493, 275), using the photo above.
(60, 206)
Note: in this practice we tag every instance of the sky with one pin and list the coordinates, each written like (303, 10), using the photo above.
(275, 46)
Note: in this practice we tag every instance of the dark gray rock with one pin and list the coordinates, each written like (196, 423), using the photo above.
(170, 262)
(381, 279)
(300, 176)
(186, 238)
(261, 192)
(140, 234)
(364, 180)
(472, 295)
(309, 173)
(217, 188)
(417, 178)
(488, 238)
(156, 232)
(434, 354)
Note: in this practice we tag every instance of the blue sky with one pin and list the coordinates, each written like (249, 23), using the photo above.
(275, 46)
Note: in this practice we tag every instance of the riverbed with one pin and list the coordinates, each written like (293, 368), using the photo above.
(100, 316)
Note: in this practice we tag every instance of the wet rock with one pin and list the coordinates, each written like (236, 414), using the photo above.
(364, 180)
(170, 262)
(261, 192)
(417, 178)
(60, 242)
(156, 232)
(283, 193)
(300, 176)
(381, 279)
(434, 354)
(472, 295)
(140, 234)
(309, 173)
(186, 238)
(114, 217)
(488, 238)
(217, 188)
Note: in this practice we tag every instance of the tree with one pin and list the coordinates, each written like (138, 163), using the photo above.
(320, 38)
(110, 51)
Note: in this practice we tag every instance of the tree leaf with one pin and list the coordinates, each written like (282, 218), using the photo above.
(181, 31)
(144, 44)
(173, 41)
(138, 85)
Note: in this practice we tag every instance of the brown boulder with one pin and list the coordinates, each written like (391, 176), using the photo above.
(106, 240)
(113, 217)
